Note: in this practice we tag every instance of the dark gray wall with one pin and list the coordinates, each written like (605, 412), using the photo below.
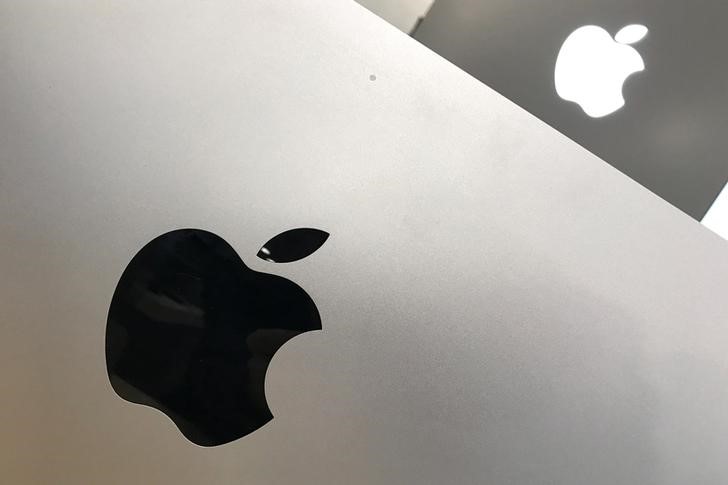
(672, 135)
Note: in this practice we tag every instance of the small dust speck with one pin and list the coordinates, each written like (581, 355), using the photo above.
(372, 77)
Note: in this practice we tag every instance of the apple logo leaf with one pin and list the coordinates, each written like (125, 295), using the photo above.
(631, 34)
(293, 245)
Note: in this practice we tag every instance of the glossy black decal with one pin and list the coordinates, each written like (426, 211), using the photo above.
(191, 331)
(292, 245)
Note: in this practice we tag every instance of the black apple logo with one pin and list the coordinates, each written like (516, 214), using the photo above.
(191, 330)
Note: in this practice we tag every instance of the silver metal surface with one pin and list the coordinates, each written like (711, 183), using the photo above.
(671, 134)
(494, 310)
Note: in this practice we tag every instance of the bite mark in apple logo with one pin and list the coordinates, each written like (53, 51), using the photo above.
(191, 330)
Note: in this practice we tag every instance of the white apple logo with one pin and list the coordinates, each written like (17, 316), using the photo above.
(591, 67)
